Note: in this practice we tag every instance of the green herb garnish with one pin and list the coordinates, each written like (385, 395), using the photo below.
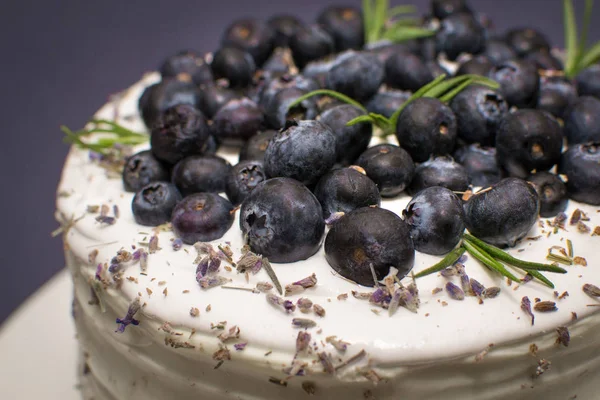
(578, 55)
(382, 22)
(447, 261)
(111, 134)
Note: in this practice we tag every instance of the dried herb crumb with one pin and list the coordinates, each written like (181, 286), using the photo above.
(309, 387)
(563, 336)
(437, 290)
(591, 290)
(533, 349)
(580, 261)
(278, 381)
(343, 296)
(542, 367)
(208, 308)
(320, 311)
(526, 307)
(194, 312)
(545, 306)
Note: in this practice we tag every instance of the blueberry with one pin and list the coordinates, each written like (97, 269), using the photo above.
(152, 204)
(255, 147)
(477, 65)
(387, 102)
(443, 8)
(582, 121)
(279, 63)
(498, 51)
(480, 163)
(519, 82)
(369, 237)
(303, 150)
(407, 71)
(504, 213)
(202, 217)
(189, 63)
(543, 59)
(273, 86)
(552, 192)
(357, 75)
(282, 220)
(557, 94)
(389, 166)
(345, 25)
(384, 49)
(242, 179)
(460, 33)
(436, 220)
(161, 96)
(426, 127)
(277, 111)
(344, 190)
(213, 97)
(235, 65)
(255, 37)
(318, 70)
(479, 110)
(196, 174)
(588, 81)
(351, 141)
(310, 43)
(237, 121)
(440, 171)
(581, 165)
(179, 132)
(141, 169)
(526, 40)
(284, 26)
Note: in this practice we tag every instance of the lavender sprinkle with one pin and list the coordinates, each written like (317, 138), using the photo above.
(526, 307)
(454, 291)
(303, 323)
(302, 341)
(134, 307)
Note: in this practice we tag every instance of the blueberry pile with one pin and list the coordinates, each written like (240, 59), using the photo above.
(302, 162)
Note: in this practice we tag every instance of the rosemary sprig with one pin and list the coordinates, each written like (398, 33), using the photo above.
(488, 261)
(445, 262)
(578, 55)
(117, 135)
(382, 22)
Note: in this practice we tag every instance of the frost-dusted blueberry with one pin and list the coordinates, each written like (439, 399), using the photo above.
(303, 150)
(213, 97)
(389, 166)
(202, 217)
(387, 102)
(351, 141)
(344, 190)
(557, 94)
(504, 213)
(311, 42)
(277, 111)
(237, 121)
(253, 36)
(167, 93)
(282, 220)
(284, 26)
(141, 169)
(358, 76)
(478, 110)
(255, 147)
(460, 33)
(440, 171)
(235, 65)
(519, 82)
(189, 63)
(443, 8)
(407, 71)
(581, 165)
(196, 174)
(528, 140)
(552, 192)
(480, 163)
(273, 86)
(365, 237)
(242, 179)
(426, 127)
(180, 131)
(582, 121)
(345, 25)
(498, 51)
(477, 65)
(588, 81)
(543, 59)
(436, 220)
(152, 204)
(526, 40)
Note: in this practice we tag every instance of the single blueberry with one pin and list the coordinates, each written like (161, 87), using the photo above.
(237, 121)
(345, 25)
(526, 40)
(202, 217)
(253, 36)
(255, 147)
(439, 171)
(407, 71)
(303, 150)
(544, 60)
(278, 110)
(436, 220)
(152, 204)
(552, 192)
(344, 190)
(280, 63)
(519, 82)
(169, 92)
(384, 49)
(282, 220)
(480, 163)
(180, 131)
(460, 33)
(369, 239)
(358, 76)
(504, 213)
(351, 141)
(389, 166)
(426, 127)
(196, 174)
(213, 97)
(387, 102)
(285, 26)
(277, 83)
(141, 169)
(588, 81)
(189, 63)
(498, 51)
(581, 164)
(528, 140)
(440, 9)
(242, 179)
(311, 42)
(477, 65)
(557, 94)
(235, 65)
(582, 121)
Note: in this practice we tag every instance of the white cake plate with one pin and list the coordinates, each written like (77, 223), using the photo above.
(38, 348)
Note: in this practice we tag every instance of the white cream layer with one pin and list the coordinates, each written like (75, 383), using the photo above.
(428, 355)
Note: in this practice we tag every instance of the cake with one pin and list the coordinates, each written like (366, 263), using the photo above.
(149, 328)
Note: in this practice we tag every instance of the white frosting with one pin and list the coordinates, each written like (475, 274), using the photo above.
(427, 355)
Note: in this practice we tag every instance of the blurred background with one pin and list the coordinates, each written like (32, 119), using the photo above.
(61, 60)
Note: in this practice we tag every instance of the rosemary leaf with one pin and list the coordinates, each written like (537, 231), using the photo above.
(415, 95)
(367, 19)
(487, 260)
(450, 95)
(330, 93)
(359, 119)
(538, 275)
(443, 87)
(445, 262)
(592, 56)
(401, 32)
(570, 25)
(379, 18)
(587, 16)
(399, 10)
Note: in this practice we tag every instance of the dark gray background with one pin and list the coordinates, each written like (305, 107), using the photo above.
(60, 60)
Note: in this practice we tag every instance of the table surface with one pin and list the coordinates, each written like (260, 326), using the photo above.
(62, 60)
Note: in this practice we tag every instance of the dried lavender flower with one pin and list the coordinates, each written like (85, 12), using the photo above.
(264, 286)
(545, 306)
(240, 346)
(302, 341)
(153, 244)
(293, 289)
(394, 302)
(233, 333)
(477, 288)
(454, 291)
(526, 307)
(129, 319)
(563, 336)
(307, 282)
(249, 261)
(409, 300)
(591, 290)
(303, 323)
(380, 296)
(492, 292)
(339, 345)
(212, 281)
(320, 311)
(325, 360)
(304, 304)
(177, 244)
